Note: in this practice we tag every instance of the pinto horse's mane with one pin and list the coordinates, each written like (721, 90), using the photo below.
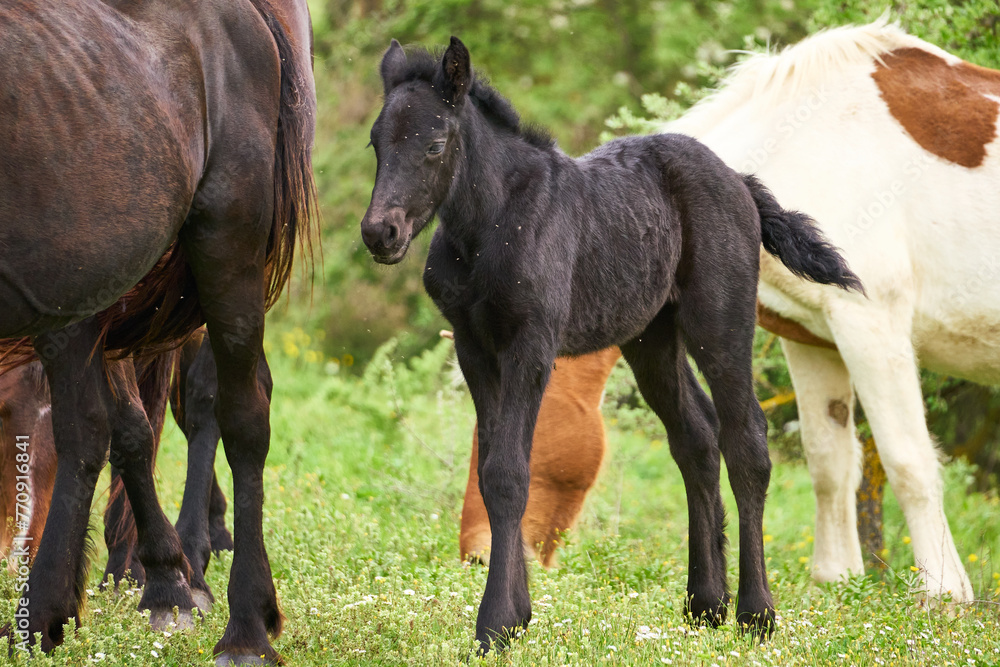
(422, 65)
(771, 79)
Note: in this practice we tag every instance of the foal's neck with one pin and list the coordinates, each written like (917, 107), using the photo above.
(499, 171)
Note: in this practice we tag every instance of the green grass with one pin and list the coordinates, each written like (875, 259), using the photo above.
(364, 486)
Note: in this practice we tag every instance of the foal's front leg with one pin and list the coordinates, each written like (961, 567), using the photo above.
(507, 391)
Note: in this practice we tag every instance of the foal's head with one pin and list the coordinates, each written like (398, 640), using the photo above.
(416, 142)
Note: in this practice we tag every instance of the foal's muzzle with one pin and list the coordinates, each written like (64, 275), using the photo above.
(387, 234)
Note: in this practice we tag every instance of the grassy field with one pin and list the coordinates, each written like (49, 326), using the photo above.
(364, 488)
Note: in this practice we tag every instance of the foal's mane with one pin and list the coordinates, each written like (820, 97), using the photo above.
(422, 65)
(771, 79)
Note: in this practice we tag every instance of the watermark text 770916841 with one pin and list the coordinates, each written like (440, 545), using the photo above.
(19, 552)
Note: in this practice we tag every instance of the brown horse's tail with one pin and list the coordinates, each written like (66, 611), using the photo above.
(295, 200)
(153, 375)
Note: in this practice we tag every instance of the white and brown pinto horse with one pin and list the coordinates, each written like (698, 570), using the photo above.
(891, 145)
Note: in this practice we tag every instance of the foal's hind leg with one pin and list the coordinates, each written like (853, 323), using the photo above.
(157, 545)
(718, 329)
(81, 401)
(667, 383)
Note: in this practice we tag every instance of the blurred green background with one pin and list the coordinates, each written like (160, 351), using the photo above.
(580, 68)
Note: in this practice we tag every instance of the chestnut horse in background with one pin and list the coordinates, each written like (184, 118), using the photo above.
(566, 456)
(155, 174)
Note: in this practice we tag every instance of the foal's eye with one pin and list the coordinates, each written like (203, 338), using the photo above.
(436, 148)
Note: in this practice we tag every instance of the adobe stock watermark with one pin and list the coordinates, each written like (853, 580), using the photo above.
(886, 198)
(785, 129)
(19, 550)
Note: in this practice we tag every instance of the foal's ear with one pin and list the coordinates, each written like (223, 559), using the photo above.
(393, 66)
(456, 71)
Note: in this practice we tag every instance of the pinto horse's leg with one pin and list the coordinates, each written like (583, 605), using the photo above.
(81, 407)
(875, 344)
(718, 328)
(158, 546)
(826, 410)
(665, 378)
(202, 431)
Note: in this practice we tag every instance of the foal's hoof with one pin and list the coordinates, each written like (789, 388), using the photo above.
(162, 619)
(760, 624)
(203, 600)
(228, 659)
(712, 615)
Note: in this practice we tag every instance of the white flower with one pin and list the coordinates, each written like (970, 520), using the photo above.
(434, 517)
(633, 594)
(409, 591)
(345, 496)
(468, 607)
(154, 654)
(90, 592)
(158, 645)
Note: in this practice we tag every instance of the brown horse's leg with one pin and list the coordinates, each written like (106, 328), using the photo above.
(195, 522)
(81, 411)
(158, 546)
(120, 537)
(232, 297)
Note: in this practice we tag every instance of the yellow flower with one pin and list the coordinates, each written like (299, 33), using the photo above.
(803, 559)
(906, 539)
(768, 538)
(973, 558)
(914, 568)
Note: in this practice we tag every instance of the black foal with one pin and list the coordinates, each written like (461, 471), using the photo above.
(651, 243)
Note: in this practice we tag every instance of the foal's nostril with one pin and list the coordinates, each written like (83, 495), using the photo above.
(370, 235)
(391, 235)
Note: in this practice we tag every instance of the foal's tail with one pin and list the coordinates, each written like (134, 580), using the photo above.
(793, 238)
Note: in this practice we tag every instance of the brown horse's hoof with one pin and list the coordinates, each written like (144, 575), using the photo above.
(163, 619)
(203, 600)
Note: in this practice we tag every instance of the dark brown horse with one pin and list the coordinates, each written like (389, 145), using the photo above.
(154, 174)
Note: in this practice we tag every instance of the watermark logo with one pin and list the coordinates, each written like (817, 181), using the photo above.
(19, 552)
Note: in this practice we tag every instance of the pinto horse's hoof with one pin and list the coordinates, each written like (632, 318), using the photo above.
(203, 600)
(162, 619)
(228, 659)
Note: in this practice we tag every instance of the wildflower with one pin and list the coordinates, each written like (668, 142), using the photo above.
(408, 591)
(906, 539)
(973, 558)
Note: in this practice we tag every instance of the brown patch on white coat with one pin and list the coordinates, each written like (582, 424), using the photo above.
(943, 106)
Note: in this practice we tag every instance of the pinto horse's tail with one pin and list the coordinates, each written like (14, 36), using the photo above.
(793, 238)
